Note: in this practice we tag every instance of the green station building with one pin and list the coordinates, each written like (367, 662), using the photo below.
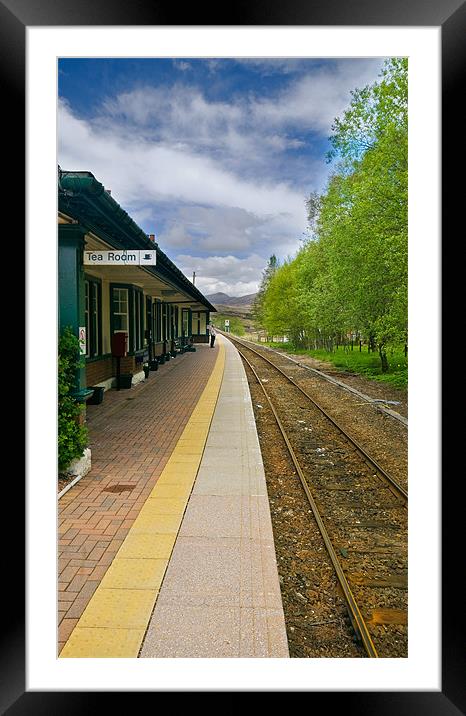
(114, 279)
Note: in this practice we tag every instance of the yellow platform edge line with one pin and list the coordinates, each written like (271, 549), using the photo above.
(115, 621)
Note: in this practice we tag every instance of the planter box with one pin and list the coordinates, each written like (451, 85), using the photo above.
(126, 380)
(97, 396)
(81, 395)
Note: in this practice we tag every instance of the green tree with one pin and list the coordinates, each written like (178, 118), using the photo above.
(267, 274)
(280, 306)
(374, 112)
(363, 219)
(72, 436)
(313, 208)
(350, 277)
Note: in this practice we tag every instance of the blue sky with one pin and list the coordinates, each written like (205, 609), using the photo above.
(214, 156)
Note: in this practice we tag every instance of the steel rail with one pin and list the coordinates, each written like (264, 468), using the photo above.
(359, 625)
(393, 485)
(370, 401)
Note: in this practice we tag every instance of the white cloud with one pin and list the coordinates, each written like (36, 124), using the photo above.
(175, 236)
(310, 100)
(182, 65)
(251, 133)
(172, 110)
(140, 169)
(217, 177)
(229, 274)
(223, 230)
(266, 66)
(140, 216)
(314, 100)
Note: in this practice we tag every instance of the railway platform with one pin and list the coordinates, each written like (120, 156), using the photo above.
(166, 546)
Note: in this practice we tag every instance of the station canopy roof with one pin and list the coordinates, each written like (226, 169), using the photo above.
(82, 197)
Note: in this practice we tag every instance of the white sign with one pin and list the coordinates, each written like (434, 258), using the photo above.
(146, 257)
(227, 322)
(82, 340)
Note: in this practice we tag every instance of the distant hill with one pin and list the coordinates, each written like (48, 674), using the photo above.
(223, 299)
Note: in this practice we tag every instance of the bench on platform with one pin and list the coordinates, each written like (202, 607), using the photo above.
(184, 344)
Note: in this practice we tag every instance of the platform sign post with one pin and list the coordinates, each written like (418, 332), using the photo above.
(227, 325)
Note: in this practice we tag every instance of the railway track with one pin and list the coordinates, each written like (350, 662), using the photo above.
(379, 404)
(359, 508)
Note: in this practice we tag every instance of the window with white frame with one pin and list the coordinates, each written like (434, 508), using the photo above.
(185, 322)
(120, 310)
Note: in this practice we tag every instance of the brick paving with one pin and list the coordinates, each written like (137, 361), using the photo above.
(132, 435)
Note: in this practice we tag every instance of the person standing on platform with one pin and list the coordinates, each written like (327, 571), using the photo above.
(213, 333)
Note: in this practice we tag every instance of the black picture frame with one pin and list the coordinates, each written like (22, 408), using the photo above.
(15, 17)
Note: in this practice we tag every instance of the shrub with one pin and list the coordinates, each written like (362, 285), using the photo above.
(72, 437)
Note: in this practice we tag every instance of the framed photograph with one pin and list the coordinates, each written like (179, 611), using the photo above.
(34, 37)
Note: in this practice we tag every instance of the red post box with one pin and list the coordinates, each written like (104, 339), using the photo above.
(119, 344)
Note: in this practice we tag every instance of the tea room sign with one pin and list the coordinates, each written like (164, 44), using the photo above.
(126, 257)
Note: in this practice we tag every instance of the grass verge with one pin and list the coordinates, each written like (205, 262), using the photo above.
(360, 362)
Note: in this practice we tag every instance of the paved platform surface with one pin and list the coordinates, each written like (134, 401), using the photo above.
(132, 436)
(192, 537)
(220, 596)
